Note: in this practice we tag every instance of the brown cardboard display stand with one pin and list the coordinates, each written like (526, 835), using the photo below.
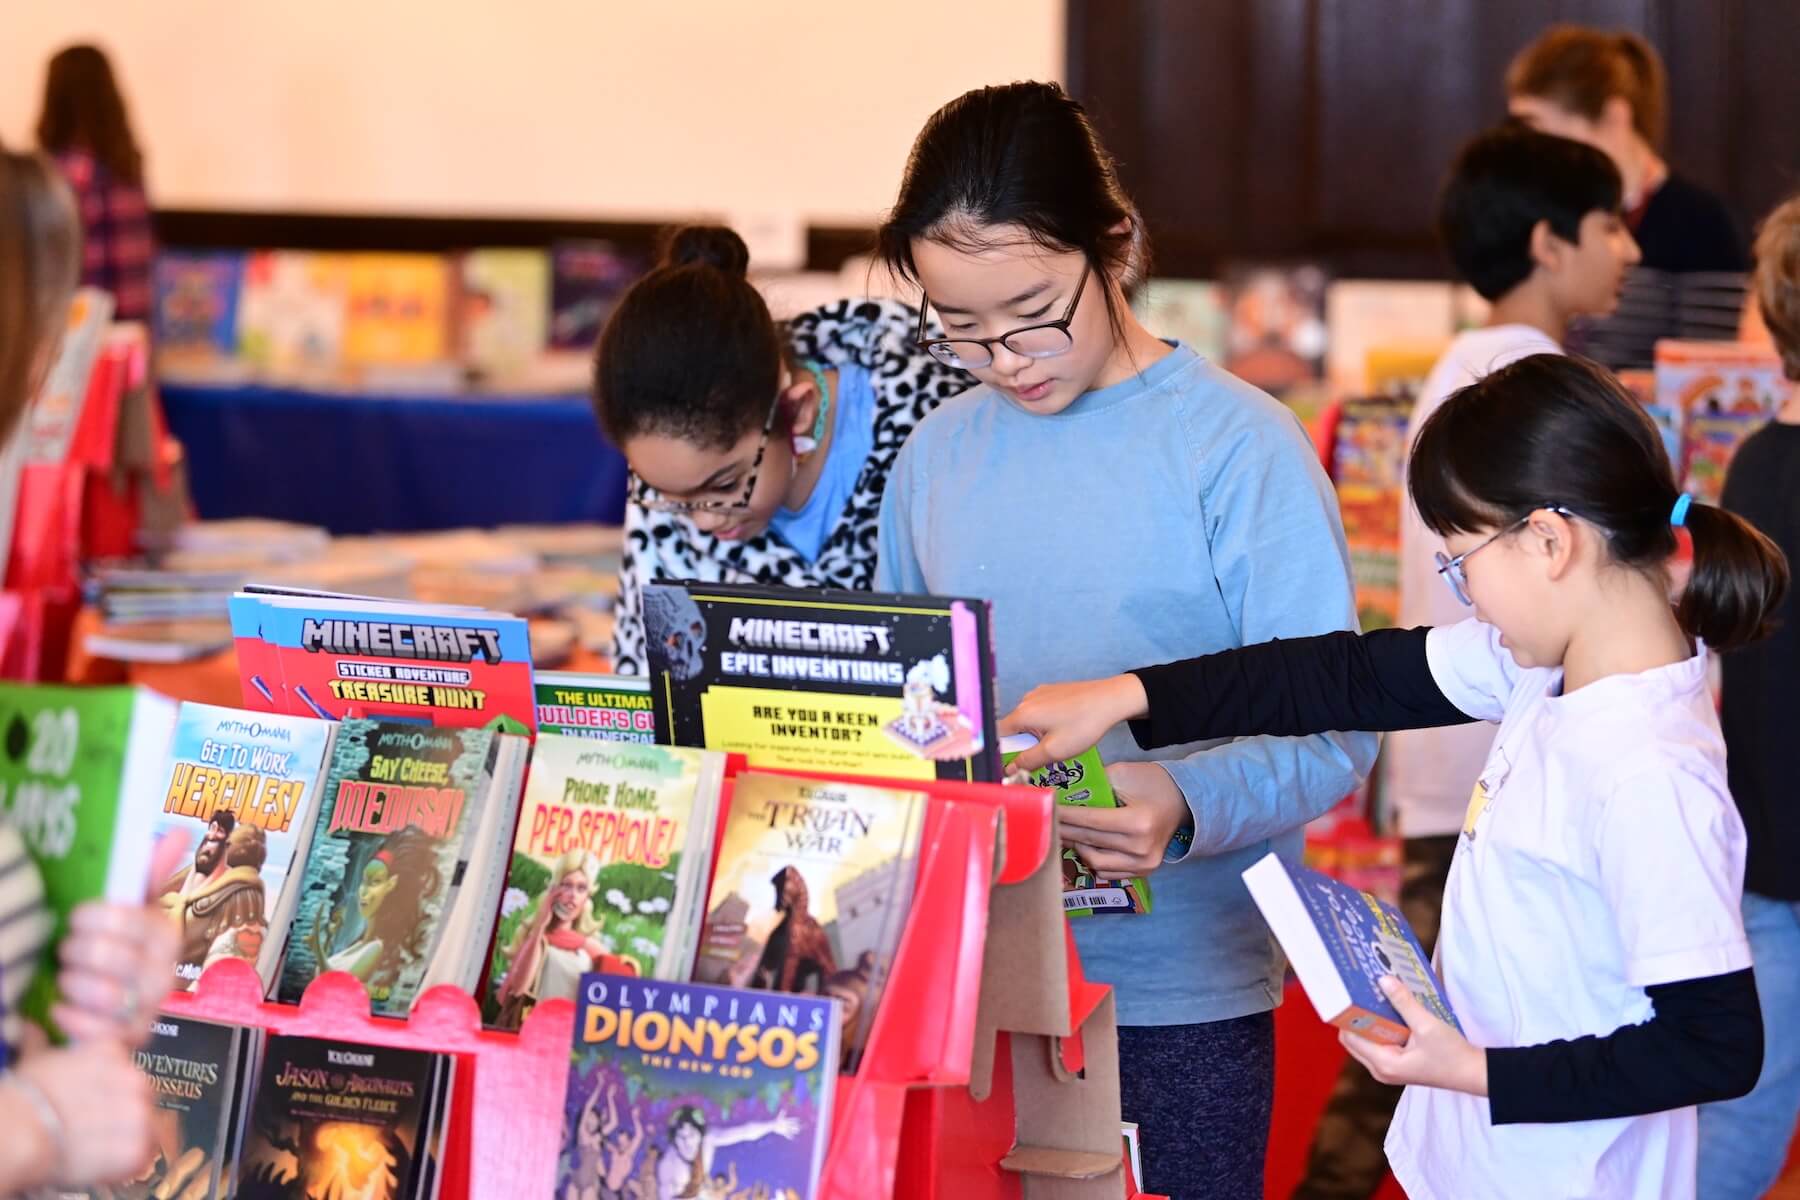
(1043, 1086)
(1067, 1121)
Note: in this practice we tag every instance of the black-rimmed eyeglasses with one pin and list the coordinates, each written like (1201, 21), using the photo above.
(641, 493)
(1030, 341)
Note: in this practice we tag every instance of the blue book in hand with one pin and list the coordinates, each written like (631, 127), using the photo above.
(1340, 942)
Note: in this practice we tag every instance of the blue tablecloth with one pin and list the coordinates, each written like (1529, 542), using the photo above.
(363, 464)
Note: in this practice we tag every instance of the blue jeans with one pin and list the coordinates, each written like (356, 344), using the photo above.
(1744, 1142)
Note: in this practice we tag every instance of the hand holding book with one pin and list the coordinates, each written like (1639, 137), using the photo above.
(1130, 840)
(1436, 1054)
(116, 962)
(1068, 718)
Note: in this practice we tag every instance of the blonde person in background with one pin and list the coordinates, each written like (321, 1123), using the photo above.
(1608, 89)
(1744, 1142)
(117, 959)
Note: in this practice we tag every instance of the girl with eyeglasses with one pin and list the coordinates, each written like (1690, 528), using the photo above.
(758, 450)
(1591, 944)
(1120, 499)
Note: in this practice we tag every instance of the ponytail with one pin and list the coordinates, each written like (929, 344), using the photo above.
(707, 245)
(1555, 430)
(1649, 99)
(1738, 580)
(1579, 69)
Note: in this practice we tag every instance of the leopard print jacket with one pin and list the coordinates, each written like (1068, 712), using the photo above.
(878, 334)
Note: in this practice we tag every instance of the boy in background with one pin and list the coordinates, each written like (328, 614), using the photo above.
(1533, 223)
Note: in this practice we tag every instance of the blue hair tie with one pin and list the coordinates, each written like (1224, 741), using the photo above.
(1678, 515)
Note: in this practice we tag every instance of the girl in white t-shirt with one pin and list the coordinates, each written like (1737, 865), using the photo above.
(1591, 943)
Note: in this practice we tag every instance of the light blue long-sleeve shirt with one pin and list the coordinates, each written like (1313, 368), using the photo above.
(1174, 514)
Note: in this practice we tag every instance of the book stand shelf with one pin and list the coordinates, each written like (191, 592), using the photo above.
(986, 1075)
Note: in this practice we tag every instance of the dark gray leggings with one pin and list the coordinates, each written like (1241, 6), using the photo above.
(1201, 1096)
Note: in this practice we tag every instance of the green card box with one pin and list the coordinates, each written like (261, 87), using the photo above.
(81, 774)
(1082, 781)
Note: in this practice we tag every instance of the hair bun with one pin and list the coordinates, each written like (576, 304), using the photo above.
(708, 245)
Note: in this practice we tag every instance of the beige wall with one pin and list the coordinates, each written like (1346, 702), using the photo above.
(628, 108)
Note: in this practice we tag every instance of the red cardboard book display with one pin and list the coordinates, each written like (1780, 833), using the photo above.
(86, 504)
(511, 1082)
(910, 1122)
(1019, 1095)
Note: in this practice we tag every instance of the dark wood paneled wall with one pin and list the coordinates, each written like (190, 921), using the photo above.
(1320, 128)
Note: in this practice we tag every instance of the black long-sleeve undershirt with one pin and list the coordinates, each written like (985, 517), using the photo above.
(1703, 1042)
(1376, 681)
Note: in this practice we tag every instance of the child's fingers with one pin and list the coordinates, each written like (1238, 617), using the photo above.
(95, 992)
(1416, 1015)
(1116, 864)
(1075, 818)
(1113, 841)
(106, 920)
(80, 1025)
(103, 954)
(1381, 1061)
(1354, 1046)
(1036, 758)
(1137, 872)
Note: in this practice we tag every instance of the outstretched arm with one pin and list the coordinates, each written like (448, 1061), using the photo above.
(1377, 681)
(1288, 687)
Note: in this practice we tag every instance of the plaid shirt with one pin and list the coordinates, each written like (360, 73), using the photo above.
(118, 249)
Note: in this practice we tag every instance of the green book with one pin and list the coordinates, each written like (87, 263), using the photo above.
(1082, 781)
(81, 779)
(612, 708)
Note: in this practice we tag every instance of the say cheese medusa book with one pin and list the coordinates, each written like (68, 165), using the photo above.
(840, 682)
(681, 1090)
(399, 810)
(811, 891)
